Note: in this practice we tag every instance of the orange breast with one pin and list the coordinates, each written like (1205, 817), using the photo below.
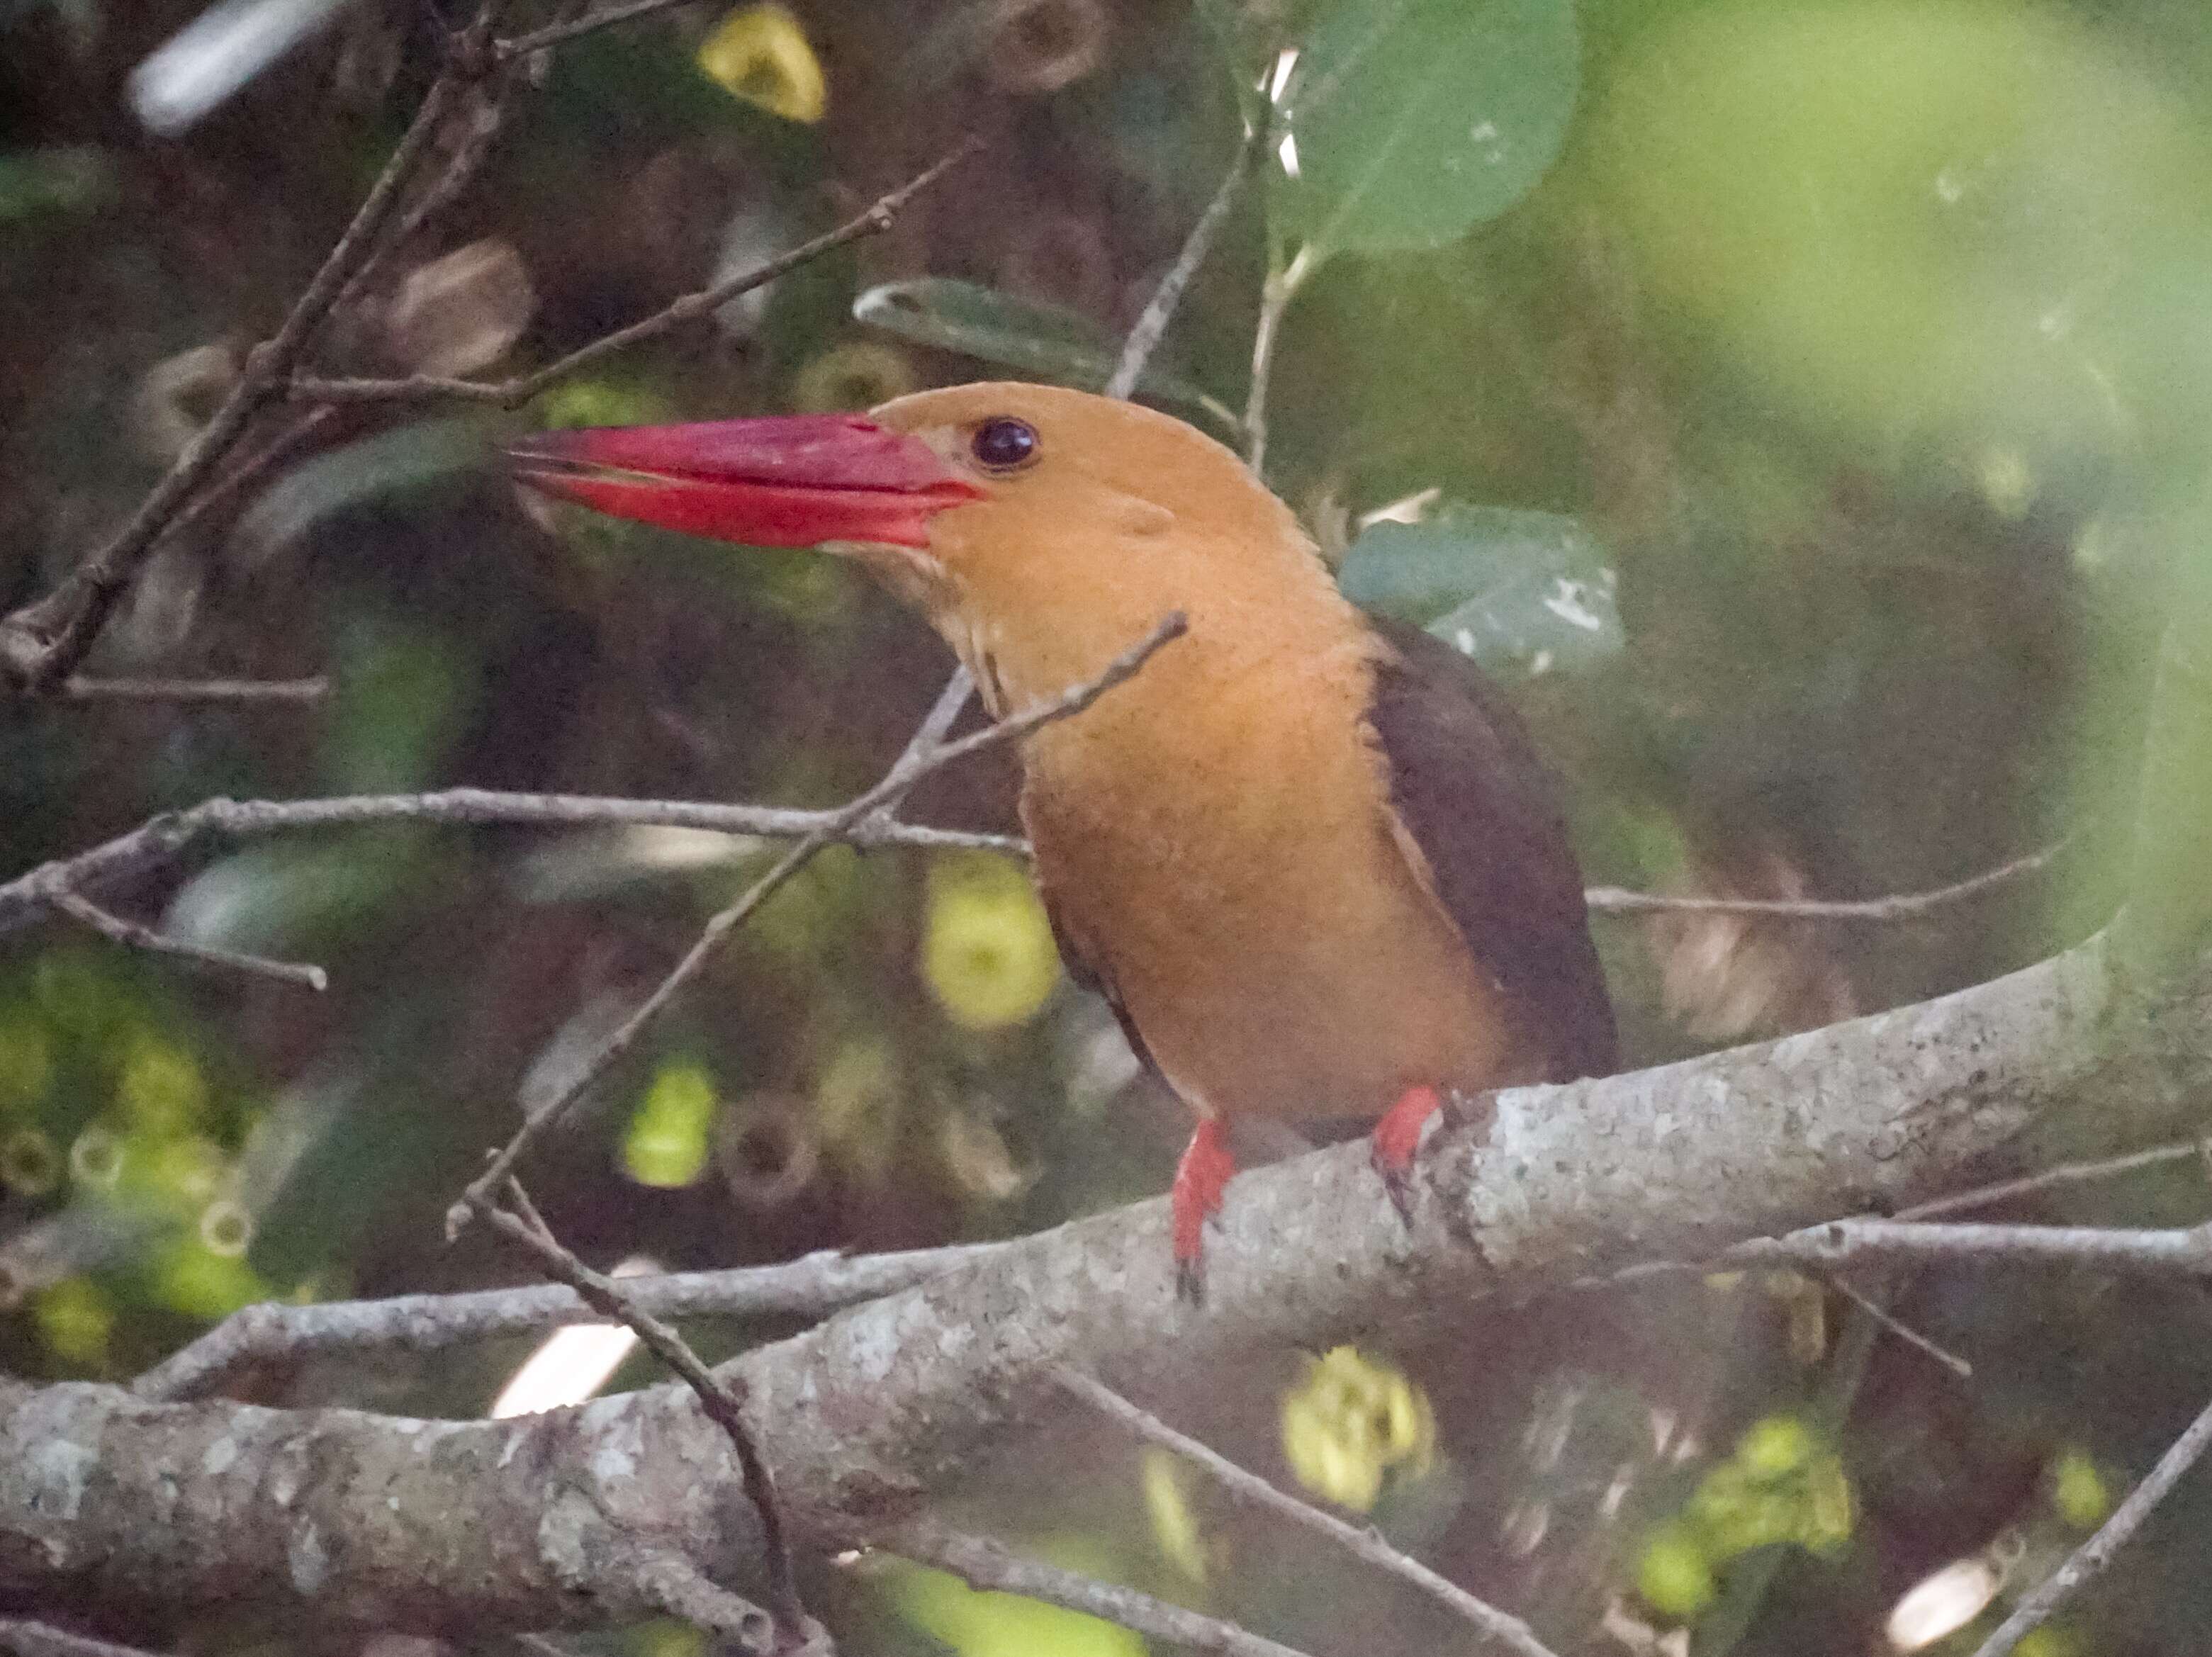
(1215, 839)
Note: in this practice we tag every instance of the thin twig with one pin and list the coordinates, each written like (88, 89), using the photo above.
(1615, 900)
(2052, 1179)
(28, 1639)
(590, 22)
(1144, 339)
(43, 643)
(460, 171)
(514, 392)
(680, 1589)
(1362, 1542)
(2184, 1252)
(983, 1563)
(84, 688)
(161, 838)
(911, 768)
(2089, 1561)
(1276, 294)
(1904, 1331)
(518, 1220)
(813, 1286)
(135, 935)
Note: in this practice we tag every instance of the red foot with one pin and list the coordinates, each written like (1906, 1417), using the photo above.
(1396, 1137)
(1201, 1178)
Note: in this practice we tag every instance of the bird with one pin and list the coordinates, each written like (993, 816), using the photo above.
(1308, 856)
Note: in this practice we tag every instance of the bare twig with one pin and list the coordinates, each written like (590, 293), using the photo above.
(1276, 294)
(483, 123)
(679, 1588)
(1362, 1542)
(136, 935)
(1615, 900)
(27, 1639)
(42, 643)
(590, 22)
(161, 838)
(2180, 1252)
(518, 1220)
(514, 392)
(813, 1286)
(2052, 1179)
(2089, 1561)
(84, 688)
(911, 768)
(1151, 326)
(982, 1563)
(1905, 1331)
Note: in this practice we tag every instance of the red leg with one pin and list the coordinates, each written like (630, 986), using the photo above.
(1397, 1137)
(1201, 1178)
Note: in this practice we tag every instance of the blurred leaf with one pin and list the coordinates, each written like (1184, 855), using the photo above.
(1522, 591)
(75, 178)
(409, 461)
(2078, 1490)
(1414, 122)
(75, 1318)
(1175, 1529)
(760, 53)
(1351, 1423)
(1045, 342)
(987, 953)
(30, 1162)
(666, 1144)
(1983, 224)
(193, 1279)
(1673, 1574)
(1007, 1625)
(858, 374)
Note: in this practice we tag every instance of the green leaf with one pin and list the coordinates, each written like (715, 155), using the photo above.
(1415, 121)
(1045, 342)
(1520, 592)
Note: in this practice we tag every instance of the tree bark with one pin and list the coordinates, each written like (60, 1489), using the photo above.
(443, 1525)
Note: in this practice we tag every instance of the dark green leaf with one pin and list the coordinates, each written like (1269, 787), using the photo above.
(1417, 121)
(1045, 342)
(1520, 591)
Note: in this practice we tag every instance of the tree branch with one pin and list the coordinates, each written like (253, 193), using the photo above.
(41, 643)
(161, 839)
(2087, 1561)
(1903, 906)
(514, 392)
(982, 1563)
(866, 1416)
(518, 1220)
(136, 935)
(273, 1331)
(1366, 1543)
(83, 688)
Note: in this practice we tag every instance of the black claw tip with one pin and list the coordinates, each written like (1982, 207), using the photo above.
(1190, 1282)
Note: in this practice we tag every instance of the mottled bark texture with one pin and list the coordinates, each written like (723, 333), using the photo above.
(534, 1523)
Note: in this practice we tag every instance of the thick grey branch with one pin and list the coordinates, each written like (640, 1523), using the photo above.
(446, 1525)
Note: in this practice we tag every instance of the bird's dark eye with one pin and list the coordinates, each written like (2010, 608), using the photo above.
(1005, 444)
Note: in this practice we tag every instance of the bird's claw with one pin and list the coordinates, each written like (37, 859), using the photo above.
(1397, 1137)
(1201, 1178)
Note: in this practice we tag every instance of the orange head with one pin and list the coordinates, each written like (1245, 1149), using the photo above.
(1041, 531)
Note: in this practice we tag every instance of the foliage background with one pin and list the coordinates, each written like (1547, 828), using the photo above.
(1861, 343)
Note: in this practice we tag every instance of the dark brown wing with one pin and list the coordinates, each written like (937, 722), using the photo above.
(1474, 797)
(1089, 975)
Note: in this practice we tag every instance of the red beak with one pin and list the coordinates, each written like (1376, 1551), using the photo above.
(794, 482)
